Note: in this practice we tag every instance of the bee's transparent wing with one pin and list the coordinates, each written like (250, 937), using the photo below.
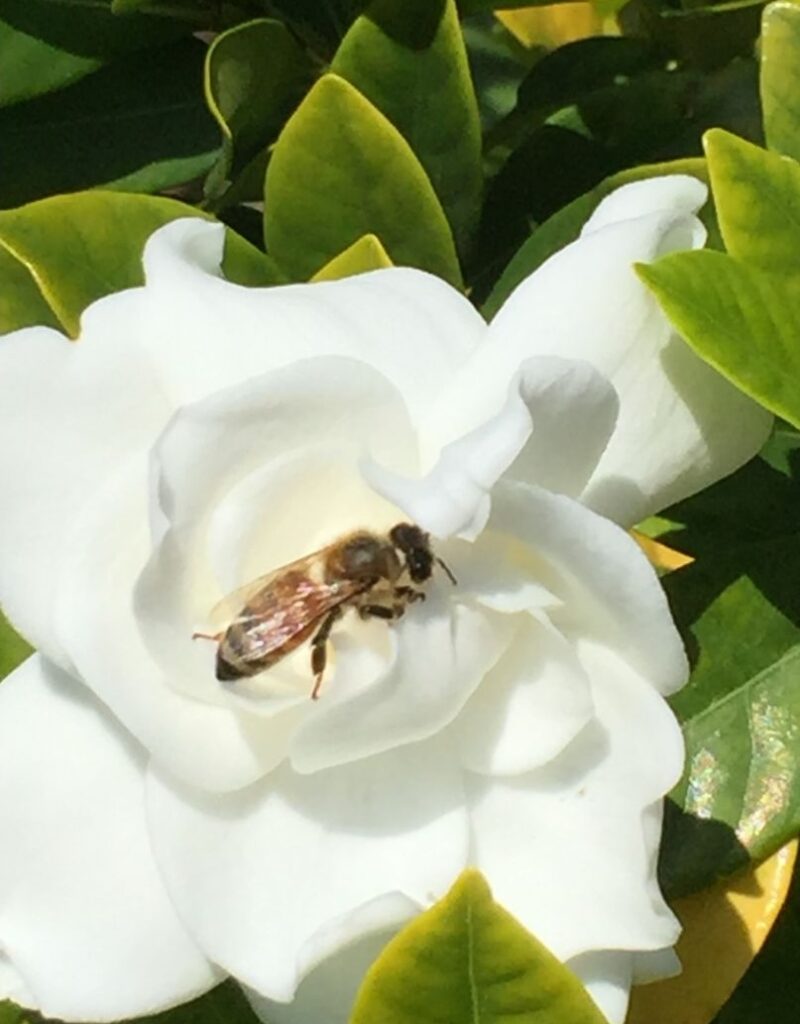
(230, 607)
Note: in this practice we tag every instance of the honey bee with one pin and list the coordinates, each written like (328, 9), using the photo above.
(304, 599)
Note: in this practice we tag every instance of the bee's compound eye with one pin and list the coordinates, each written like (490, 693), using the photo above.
(407, 537)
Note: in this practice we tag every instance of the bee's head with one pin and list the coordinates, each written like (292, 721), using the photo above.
(416, 549)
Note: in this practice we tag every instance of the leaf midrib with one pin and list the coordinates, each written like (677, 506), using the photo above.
(788, 656)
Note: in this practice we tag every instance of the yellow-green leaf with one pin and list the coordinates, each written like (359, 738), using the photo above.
(757, 195)
(341, 170)
(364, 255)
(468, 961)
(80, 247)
(780, 77)
(741, 320)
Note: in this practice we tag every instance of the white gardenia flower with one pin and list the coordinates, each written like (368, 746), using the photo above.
(163, 828)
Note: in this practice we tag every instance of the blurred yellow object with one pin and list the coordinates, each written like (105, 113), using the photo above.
(555, 24)
(724, 927)
(660, 556)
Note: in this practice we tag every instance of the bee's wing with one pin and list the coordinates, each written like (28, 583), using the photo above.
(233, 604)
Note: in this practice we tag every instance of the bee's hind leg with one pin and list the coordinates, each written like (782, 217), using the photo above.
(207, 636)
(319, 649)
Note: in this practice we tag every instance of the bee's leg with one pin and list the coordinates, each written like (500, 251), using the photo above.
(409, 594)
(216, 637)
(319, 652)
(377, 611)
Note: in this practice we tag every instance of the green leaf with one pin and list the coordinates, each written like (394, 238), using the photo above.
(498, 62)
(407, 57)
(341, 170)
(255, 74)
(13, 651)
(757, 194)
(565, 226)
(12, 1014)
(475, 6)
(780, 77)
(744, 322)
(738, 607)
(468, 961)
(321, 25)
(81, 247)
(225, 1004)
(21, 302)
(364, 255)
(45, 44)
(139, 124)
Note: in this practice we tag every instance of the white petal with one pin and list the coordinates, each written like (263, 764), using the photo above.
(673, 194)
(609, 591)
(13, 987)
(529, 706)
(84, 917)
(573, 410)
(572, 835)
(95, 615)
(607, 976)
(206, 333)
(441, 651)
(454, 497)
(69, 414)
(275, 878)
(681, 425)
(653, 965)
(328, 992)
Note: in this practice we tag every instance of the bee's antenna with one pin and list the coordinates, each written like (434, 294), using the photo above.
(446, 568)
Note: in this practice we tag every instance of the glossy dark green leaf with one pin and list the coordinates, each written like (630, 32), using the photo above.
(498, 63)
(47, 44)
(468, 961)
(780, 77)
(13, 651)
(341, 170)
(83, 246)
(574, 70)
(738, 608)
(139, 124)
(565, 226)
(255, 74)
(321, 24)
(225, 1004)
(743, 321)
(700, 35)
(408, 58)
